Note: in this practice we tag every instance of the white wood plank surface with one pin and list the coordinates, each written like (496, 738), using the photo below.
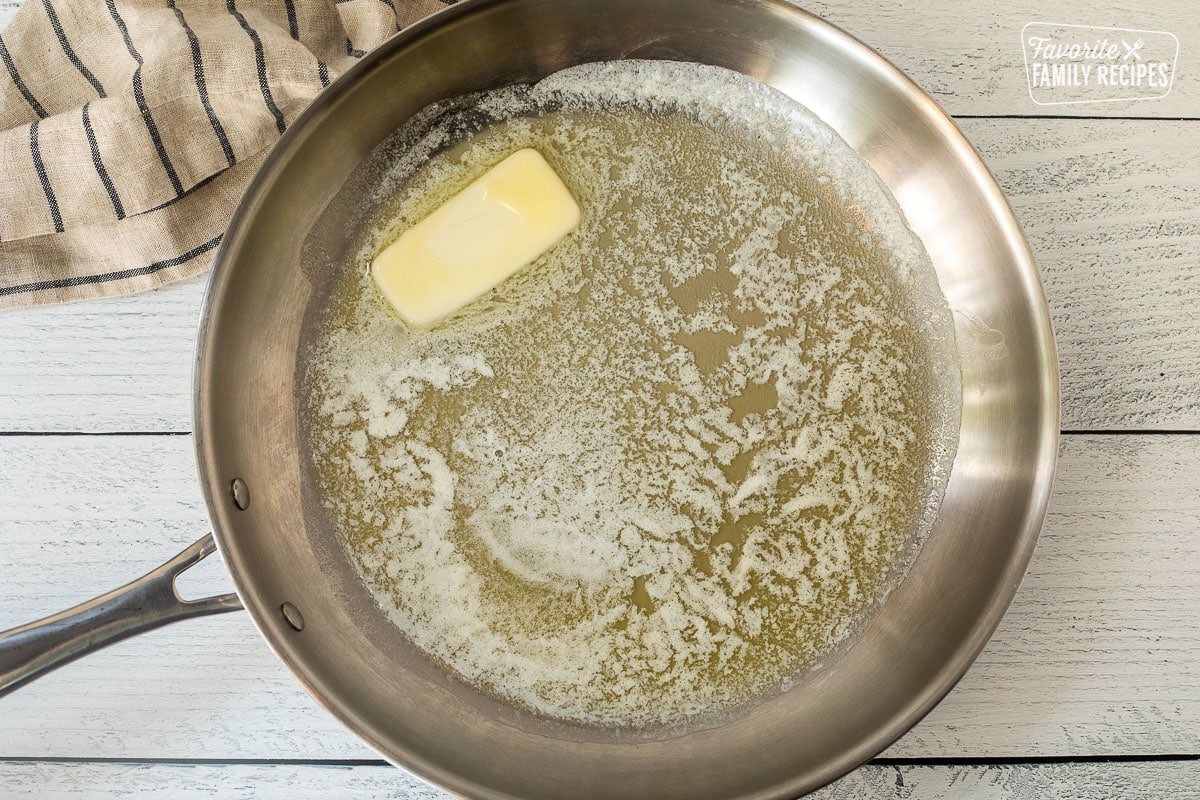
(1112, 212)
(968, 55)
(1144, 780)
(1097, 656)
(1111, 208)
(117, 364)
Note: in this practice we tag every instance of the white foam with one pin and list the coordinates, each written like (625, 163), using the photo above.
(538, 490)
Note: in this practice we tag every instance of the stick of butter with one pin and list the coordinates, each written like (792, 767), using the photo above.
(508, 217)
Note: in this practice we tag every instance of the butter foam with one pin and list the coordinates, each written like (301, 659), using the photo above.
(676, 463)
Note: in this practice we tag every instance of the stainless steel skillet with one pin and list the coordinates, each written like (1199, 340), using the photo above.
(307, 600)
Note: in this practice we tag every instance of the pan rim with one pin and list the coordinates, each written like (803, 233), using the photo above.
(950, 670)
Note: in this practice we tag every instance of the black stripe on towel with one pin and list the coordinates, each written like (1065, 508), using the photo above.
(202, 86)
(152, 129)
(351, 50)
(188, 193)
(80, 280)
(293, 26)
(260, 61)
(140, 97)
(21, 87)
(40, 169)
(98, 163)
(66, 47)
(322, 73)
(112, 11)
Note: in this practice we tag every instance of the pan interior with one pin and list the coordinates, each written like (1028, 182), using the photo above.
(671, 467)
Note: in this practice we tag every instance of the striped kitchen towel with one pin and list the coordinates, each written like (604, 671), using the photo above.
(129, 128)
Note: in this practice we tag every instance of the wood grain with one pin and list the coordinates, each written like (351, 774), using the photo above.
(1112, 213)
(1154, 780)
(968, 56)
(1096, 657)
(116, 364)
(1111, 209)
(1098, 654)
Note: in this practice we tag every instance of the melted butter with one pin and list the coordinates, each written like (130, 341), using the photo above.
(672, 465)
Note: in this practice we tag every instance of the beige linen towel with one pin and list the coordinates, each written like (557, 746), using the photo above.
(129, 128)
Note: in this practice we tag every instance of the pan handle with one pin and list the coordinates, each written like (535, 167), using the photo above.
(151, 601)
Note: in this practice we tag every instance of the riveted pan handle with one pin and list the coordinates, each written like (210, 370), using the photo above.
(149, 602)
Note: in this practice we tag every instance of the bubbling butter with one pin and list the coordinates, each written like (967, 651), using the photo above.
(677, 462)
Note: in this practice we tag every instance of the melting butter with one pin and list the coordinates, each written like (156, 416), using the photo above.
(500, 223)
(679, 462)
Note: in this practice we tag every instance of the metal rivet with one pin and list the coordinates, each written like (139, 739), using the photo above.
(241, 493)
(293, 616)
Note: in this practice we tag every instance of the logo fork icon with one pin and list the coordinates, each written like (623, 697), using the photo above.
(1131, 50)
